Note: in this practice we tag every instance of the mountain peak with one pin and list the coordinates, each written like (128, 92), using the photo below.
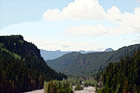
(109, 50)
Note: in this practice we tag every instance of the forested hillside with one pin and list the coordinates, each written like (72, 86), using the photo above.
(123, 76)
(78, 64)
(21, 66)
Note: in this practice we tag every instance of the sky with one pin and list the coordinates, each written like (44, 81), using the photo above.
(72, 25)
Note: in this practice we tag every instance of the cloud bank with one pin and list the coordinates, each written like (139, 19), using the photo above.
(77, 10)
(67, 46)
(92, 10)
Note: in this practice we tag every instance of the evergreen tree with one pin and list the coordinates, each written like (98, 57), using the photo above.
(123, 76)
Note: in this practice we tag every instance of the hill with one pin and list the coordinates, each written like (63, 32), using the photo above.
(21, 66)
(78, 64)
(122, 76)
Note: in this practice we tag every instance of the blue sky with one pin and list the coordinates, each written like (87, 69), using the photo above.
(59, 25)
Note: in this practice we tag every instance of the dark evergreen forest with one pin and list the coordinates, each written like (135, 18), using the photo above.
(21, 66)
(123, 76)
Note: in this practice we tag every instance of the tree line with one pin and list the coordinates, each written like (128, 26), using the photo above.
(123, 76)
(22, 68)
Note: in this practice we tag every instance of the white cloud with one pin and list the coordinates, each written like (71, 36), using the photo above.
(87, 30)
(126, 23)
(124, 19)
(53, 15)
(77, 10)
(67, 46)
(92, 10)
(88, 10)
(100, 30)
(138, 1)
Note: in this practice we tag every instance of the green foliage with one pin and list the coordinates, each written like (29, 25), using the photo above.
(124, 76)
(1, 45)
(78, 87)
(21, 66)
(13, 54)
(58, 87)
(89, 83)
(77, 64)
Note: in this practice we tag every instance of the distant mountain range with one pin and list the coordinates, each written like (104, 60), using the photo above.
(50, 55)
(78, 64)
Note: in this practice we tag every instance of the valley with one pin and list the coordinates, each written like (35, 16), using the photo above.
(69, 46)
(23, 69)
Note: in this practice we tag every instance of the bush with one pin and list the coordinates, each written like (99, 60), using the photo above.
(78, 87)
(88, 83)
(58, 87)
